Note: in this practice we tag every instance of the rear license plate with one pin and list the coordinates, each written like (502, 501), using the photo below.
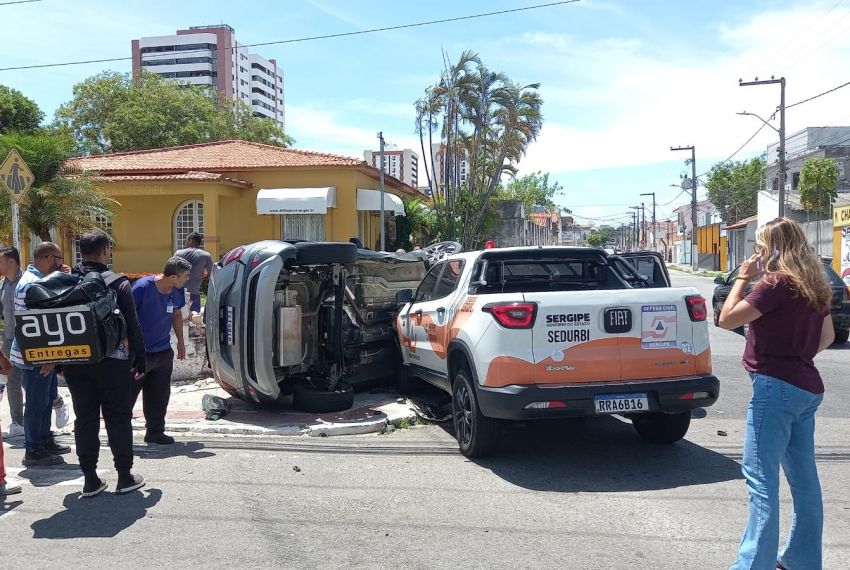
(225, 315)
(621, 403)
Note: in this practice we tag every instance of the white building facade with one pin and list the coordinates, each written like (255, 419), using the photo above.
(400, 164)
(210, 56)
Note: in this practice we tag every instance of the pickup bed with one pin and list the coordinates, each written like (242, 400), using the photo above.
(554, 332)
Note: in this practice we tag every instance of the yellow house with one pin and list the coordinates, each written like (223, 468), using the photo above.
(236, 192)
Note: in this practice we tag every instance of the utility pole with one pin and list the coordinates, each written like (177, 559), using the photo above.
(635, 222)
(693, 202)
(781, 82)
(654, 237)
(383, 228)
(642, 226)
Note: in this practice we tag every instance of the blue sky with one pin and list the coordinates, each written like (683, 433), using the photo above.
(622, 80)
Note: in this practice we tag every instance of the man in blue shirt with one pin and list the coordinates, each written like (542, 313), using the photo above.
(159, 299)
(40, 383)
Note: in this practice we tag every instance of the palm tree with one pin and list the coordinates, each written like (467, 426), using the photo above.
(61, 197)
(517, 121)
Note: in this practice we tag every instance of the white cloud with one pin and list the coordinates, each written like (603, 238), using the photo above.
(634, 100)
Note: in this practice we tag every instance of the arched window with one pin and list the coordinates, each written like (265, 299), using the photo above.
(188, 218)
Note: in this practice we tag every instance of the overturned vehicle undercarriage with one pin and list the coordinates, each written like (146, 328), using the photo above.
(303, 323)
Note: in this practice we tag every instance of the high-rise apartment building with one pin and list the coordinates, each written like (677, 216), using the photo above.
(438, 156)
(211, 56)
(400, 164)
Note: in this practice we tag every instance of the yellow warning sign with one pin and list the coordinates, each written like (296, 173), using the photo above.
(16, 176)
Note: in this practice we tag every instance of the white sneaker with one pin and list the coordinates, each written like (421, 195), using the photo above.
(15, 429)
(61, 412)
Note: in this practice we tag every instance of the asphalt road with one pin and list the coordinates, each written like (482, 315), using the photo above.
(582, 494)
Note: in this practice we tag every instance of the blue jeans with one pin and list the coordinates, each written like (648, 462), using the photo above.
(781, 430)
(40, 392)
(195, 299)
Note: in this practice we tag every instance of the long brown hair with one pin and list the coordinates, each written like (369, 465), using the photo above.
(789, 253)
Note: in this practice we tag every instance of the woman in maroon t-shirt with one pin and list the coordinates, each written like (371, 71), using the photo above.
(788, 314)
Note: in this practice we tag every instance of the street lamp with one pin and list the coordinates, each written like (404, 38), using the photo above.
(781, 131)
(747, 113)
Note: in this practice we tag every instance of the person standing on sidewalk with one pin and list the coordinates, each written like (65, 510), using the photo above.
(40, 384)
(105, 387)
(10, 266)
(787, 390)
(5, 487)
(201, 262)
(159, 299)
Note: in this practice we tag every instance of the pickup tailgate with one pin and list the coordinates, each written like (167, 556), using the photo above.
(616, 336)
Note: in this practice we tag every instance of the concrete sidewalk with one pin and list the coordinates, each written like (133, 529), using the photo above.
(373, 412)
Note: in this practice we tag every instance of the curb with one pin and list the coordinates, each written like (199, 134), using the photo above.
(386, 415)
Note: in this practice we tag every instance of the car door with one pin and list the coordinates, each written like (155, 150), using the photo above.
(412, 324)
(430, 317)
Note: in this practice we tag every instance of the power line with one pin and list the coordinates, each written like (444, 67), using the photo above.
(19, 2)
(812, 98)
(311, 38)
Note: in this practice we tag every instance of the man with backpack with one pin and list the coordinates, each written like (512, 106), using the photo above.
(105, 386)
(40, 382)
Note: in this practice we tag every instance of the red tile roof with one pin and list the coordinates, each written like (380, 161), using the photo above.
(189, 176)
(218, 156)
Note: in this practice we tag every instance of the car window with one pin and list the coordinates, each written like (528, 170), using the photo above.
(425, 292)
(449, 279)
(731, 277)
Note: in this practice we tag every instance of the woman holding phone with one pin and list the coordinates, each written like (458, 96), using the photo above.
(789, 323)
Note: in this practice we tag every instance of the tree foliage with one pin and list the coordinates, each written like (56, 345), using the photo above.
(733, 188)
(533, 190)
(114, 112)
(17, 112)
(818, 184)
(59, 198)
(483, 119)
(597, 238)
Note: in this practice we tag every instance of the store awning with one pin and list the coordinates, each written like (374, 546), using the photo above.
(280, 201)
(371, 200)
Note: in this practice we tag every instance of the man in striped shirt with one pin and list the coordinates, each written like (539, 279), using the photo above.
(40, 383)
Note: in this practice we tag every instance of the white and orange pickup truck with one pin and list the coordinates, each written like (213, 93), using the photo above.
(556, 332)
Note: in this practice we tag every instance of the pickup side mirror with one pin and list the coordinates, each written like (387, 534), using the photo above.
(404, 296)
(720, 280)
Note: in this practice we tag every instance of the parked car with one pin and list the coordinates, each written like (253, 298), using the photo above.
(304, 322)
(555, 332)
(840, 308)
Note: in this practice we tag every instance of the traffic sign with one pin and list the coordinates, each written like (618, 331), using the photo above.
(16, 176)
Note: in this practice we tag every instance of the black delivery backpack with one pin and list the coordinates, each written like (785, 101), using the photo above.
(70, 319)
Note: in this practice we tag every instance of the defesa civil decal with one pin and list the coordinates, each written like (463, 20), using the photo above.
(569, 327)
(658, 326)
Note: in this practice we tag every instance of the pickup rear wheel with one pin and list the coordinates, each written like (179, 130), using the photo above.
(662, 428)
(476, 434)
(318, 399)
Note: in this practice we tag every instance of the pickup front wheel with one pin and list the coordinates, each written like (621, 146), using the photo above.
(476, 434)
(662, 428)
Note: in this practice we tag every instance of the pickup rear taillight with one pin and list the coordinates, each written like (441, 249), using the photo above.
(513, 315)
(233, 255)
(696, 307)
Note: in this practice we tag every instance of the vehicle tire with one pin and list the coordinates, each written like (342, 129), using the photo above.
(323, 253)
(659, 427)
(476, 435)
(841, 336)
(718, 307)
(309, 398)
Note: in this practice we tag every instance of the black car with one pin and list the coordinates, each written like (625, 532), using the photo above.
(840, 299)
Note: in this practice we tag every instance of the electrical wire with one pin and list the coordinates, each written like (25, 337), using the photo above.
(18, 2)
(812, 98)
(308, 38)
